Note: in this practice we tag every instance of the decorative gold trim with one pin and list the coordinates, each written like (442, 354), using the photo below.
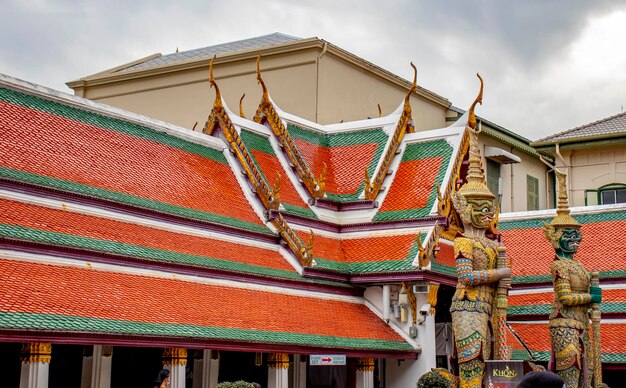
(303, 252)
(405, 125)
(107, 351)
(278, 360)
(241, 114)
(412, 301)
(471, 120)
(429, 251)
(174, 356)
(365, 364)
(34, 352)
(269, 196)
(432, 297)
(219, 117)
(266, 113)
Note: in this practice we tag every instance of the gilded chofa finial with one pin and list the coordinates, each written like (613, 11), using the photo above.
(475, 186)
(413, 85)
(218, 95)
(380, 111)
(258, 77)
(471, 121)
(241, 114)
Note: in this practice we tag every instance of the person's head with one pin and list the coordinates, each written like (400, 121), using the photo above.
(163, 377)
(256, 385)
(542, 379)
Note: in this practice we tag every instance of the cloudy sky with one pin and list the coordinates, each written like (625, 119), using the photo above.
(548, 65)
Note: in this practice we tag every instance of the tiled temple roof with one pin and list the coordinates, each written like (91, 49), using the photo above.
(62, 228)
(599, 250)
(367, 254)
(47, 299)
(414, 188)
(539, 303)
(270, 167)
(61, 147)
(346, 155)
(537, 338)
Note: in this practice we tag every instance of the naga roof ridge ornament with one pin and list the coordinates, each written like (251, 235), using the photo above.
(269, 196)
(266, 112)
(374, 186)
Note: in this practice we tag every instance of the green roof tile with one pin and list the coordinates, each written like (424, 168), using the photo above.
(62, 323)
(128, 199)
(106, 122)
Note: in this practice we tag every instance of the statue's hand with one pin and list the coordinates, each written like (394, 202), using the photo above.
(504, 283)
(596, 294)
(504, 273)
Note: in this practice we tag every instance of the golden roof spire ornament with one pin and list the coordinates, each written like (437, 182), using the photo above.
(259, 79)
(407, 104)
(563, 220)
(475, 186)
(218, 95)
(241, 113)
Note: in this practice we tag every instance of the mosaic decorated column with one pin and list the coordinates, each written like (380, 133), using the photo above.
(101, 366)
(365, 372)
(175, 360)
(277, 370)
(36, 358)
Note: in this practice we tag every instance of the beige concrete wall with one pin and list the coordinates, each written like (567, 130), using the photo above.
(592, 168)
(514, 177)
(348, 92)
(345, 91)
(185, 97)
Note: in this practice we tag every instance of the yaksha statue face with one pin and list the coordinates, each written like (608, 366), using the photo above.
(482, 212)
(569, 241)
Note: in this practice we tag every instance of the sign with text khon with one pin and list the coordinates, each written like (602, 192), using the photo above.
(327, 359)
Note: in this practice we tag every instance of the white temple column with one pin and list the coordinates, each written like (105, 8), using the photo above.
(85, 379)
(365, 373)
(206, 369)
(277, 370)
(299, 371)
(101, 366)
(36, 358)
(175, 360)
(198, 361)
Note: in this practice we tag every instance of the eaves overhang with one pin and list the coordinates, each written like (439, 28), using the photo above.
(581, 141)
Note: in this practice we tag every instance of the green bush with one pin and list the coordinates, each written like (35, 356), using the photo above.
(236, 384)
(433, 379)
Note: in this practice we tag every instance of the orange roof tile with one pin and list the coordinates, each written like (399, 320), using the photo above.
(537, 337)
(599, 249)
(53, 140)
(76, 224)
(66, 291)
(412, 185)
(345, 164)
